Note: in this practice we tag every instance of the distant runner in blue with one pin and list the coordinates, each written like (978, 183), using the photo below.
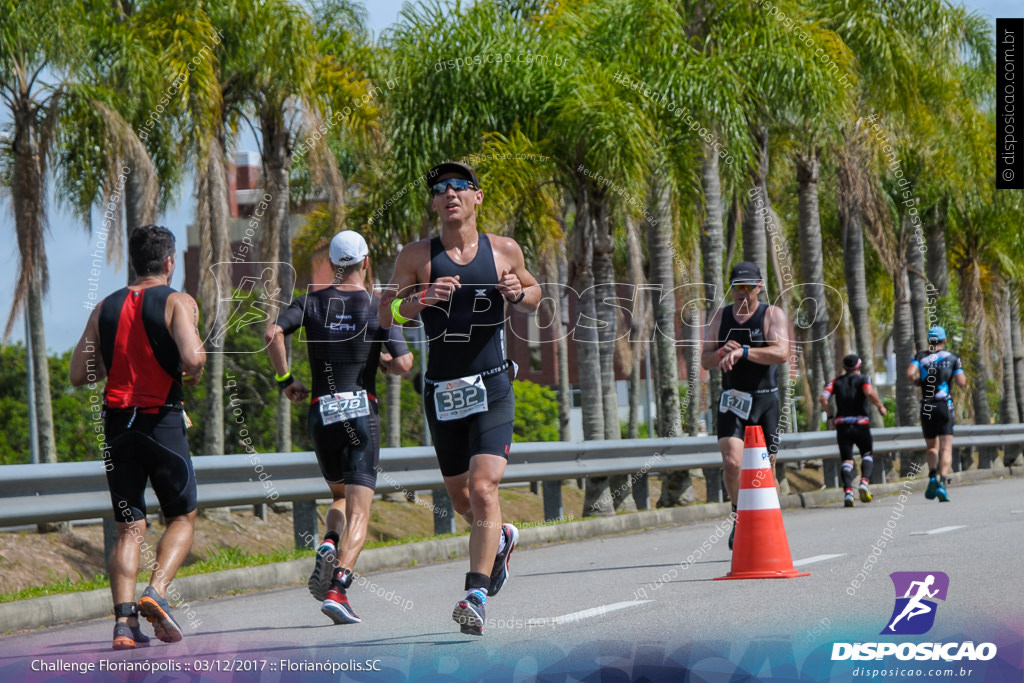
(933, 370)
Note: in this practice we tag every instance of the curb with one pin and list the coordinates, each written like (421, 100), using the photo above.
(52, 610)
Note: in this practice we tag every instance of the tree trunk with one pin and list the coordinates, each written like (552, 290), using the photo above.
(755, 241)
(215, 254)
(140, 203)
(903, 341)
(1008, 412)
(640, 324)
(972, 308)
(275, 241)
(41, 372)
(857, 292)
(27, 194)
(711, 246)
(918, 294)
(811, 262)
(597, 499)
(938, 271)
(779, 254)
(604, 277)
(662, 264)
(561, 323)
(1017, 345)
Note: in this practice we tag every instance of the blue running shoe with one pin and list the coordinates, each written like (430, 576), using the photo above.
(499, 575)
(940, 493)
(933, 486)
(469, 614)
(323, 570)
(158, 613)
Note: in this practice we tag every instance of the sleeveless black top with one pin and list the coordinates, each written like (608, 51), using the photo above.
(745, 374)
(467, 333)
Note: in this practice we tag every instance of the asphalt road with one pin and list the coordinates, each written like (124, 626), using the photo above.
(643, 606)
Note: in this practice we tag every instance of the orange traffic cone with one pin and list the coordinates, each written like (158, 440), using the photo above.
(760, 549)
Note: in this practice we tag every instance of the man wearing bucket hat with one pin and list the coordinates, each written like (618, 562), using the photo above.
(746, 341)
(933, 370)
(344, 342)
(459, 284)
(853, 392)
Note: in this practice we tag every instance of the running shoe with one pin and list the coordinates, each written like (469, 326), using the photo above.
(940, 492)
(933, 486)
(323, 570)
(848, 500)
(865, 493)
(337, 608)
(125, 637)
(499, 574)
(158, 613)
(469, 614)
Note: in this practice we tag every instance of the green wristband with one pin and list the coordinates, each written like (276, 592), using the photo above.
(284, 377)
(399, 318)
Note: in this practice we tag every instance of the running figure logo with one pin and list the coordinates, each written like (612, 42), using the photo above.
(914, 612)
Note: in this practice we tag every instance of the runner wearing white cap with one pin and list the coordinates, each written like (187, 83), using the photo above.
(344, 342)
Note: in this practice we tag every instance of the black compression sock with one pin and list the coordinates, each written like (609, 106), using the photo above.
(332, 536)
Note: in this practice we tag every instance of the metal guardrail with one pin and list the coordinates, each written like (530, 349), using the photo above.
(34, 494)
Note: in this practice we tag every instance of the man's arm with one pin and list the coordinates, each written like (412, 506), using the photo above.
(914, 372)
(185, 331)
(872, 396)
(86, 360)
(517, 280)
(405, 282)
(711, 353)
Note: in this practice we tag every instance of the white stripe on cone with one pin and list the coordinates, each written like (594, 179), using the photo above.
(756, 459)
(758, 499)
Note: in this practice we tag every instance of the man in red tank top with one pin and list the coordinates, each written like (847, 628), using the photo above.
(144, 340)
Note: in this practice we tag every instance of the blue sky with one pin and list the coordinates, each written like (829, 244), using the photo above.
(69, 243)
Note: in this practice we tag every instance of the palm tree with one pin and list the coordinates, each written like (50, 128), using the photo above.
(44, 48)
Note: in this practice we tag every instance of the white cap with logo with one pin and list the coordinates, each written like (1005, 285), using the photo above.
(347, 248)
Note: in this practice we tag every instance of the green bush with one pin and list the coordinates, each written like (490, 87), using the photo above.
(536, 412)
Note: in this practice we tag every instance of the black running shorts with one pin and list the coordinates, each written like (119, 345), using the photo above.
(850, 435)
(348, 451)
(764, 411)
(937, 419)
(456, 441)
(149, 446)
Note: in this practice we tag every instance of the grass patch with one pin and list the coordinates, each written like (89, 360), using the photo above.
(219, 559)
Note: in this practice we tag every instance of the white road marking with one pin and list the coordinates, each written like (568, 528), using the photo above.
(940, 530)
(586, 614)
(816, 558)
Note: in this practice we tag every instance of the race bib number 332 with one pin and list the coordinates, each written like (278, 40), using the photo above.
(458, 398)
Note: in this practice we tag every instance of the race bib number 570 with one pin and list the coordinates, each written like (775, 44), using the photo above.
(344, 406)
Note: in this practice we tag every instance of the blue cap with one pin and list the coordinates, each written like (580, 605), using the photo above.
(936, 333)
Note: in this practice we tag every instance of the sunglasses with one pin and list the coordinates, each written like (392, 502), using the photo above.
(457, 184)
(743, 288)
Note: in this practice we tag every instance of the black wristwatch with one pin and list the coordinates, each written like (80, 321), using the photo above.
(522, 293)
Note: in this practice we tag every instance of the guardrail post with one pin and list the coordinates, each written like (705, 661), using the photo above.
(304, 522)
(713, 481)
(552, 500)
(109, 536)
(830, 472)
(444, 513)
(642, 492)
